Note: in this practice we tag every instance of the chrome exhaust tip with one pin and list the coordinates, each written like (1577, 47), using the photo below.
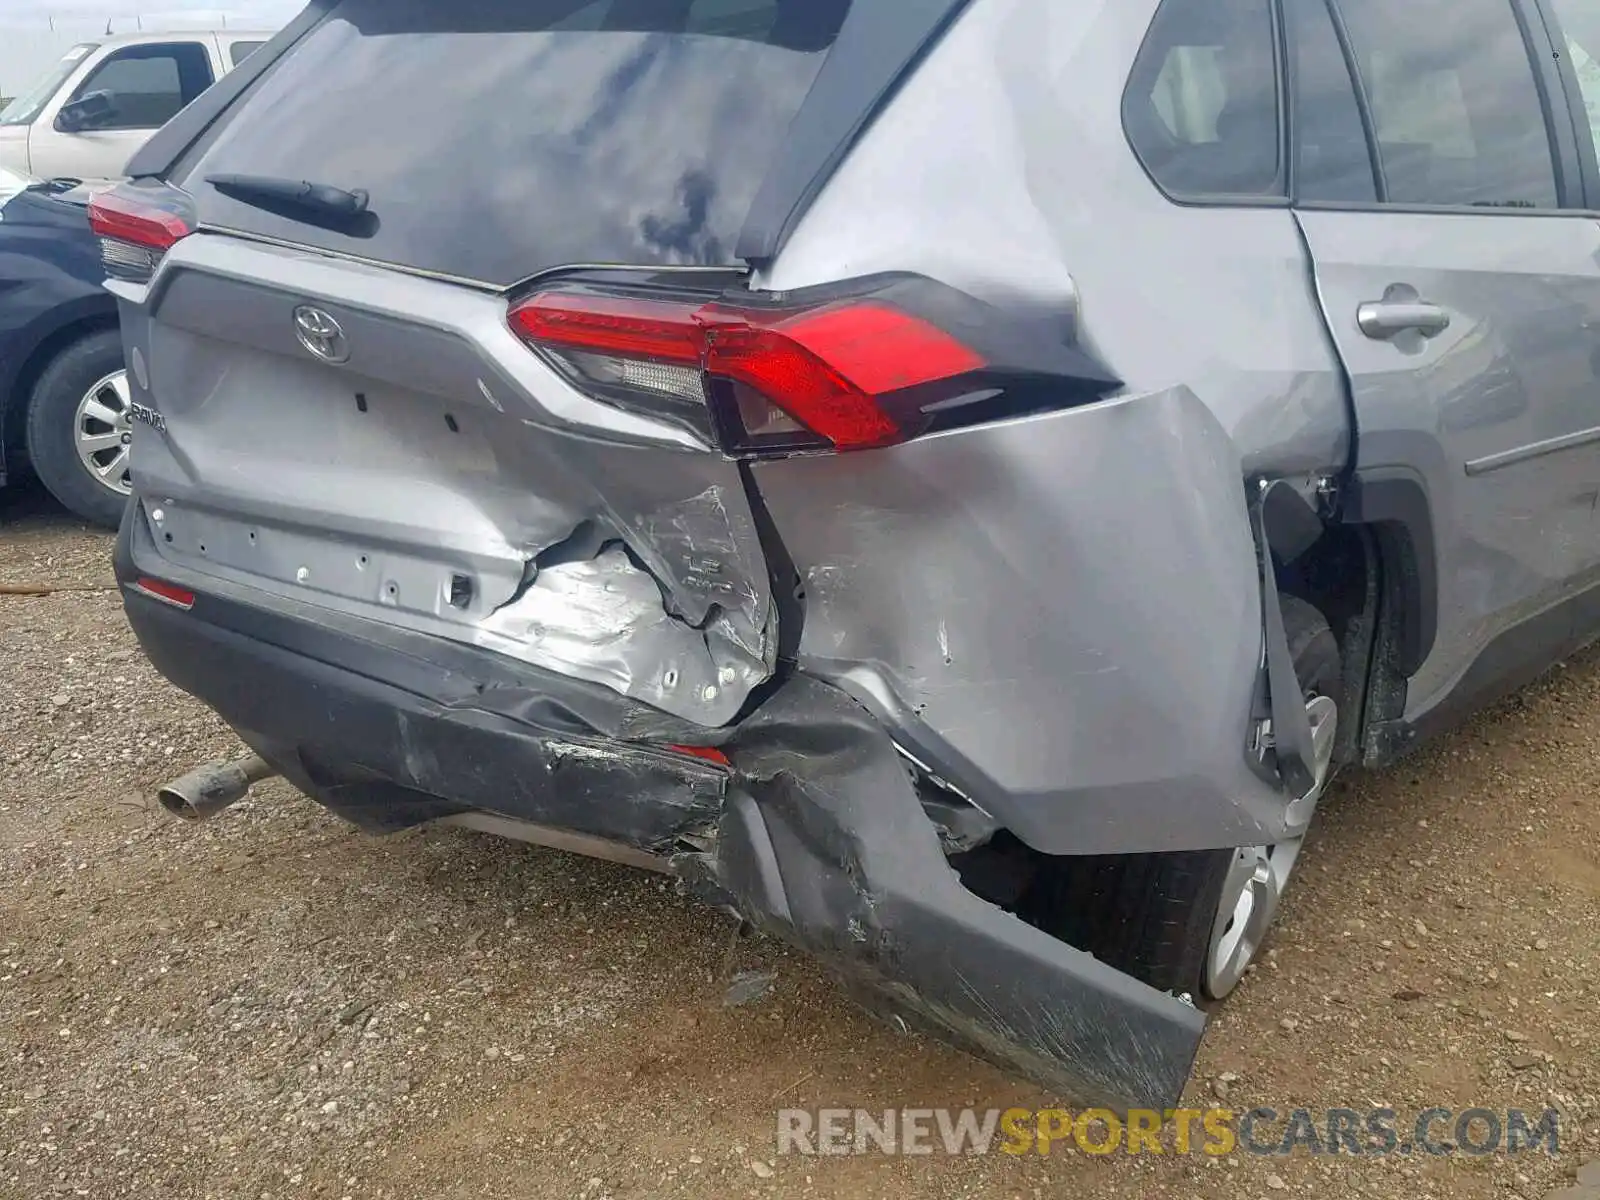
(206, 791)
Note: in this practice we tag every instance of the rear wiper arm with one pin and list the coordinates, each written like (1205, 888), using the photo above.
(269, 191)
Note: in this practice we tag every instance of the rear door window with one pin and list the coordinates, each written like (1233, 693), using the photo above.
(1332, 158)
(496, 138)
(1580, 25)
(1454, 101)
(149, 84)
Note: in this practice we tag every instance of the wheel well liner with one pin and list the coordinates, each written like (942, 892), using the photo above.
(1395, 504)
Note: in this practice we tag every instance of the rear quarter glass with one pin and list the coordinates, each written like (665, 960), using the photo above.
(498, 138)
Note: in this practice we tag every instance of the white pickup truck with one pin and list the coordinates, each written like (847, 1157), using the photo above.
(98, 104)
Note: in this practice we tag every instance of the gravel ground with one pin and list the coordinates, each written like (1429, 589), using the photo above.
(274, 1005)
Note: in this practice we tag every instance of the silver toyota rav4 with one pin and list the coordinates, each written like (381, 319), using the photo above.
(947, 479)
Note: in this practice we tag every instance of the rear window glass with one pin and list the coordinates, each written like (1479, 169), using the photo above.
(496, 138)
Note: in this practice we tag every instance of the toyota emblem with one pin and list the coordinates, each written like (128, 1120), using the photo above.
(320, 334)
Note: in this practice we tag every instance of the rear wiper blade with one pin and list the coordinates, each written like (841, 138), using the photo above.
(270, 191)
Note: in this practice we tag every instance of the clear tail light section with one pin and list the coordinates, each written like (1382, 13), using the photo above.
(845, 368)
(137, 223)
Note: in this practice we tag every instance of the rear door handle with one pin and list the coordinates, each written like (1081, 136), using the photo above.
(1381, 320)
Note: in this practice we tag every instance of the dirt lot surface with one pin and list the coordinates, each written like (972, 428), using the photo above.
(273, 1005)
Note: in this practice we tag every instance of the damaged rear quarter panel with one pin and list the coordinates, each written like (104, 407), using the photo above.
(1058, 614)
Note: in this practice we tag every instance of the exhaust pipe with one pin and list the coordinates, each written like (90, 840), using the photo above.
(206, 791)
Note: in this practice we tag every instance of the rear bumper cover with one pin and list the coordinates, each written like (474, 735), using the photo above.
(816, 836)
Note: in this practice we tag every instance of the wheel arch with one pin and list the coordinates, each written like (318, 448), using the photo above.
(1370, 567)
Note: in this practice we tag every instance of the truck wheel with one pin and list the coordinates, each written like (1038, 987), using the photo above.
(1190, 922)
(78, 428)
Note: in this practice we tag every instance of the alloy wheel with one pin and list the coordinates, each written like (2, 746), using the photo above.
(103, 431)
(1259, 875)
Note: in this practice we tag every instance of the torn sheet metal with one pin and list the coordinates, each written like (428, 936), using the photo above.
(604, 621)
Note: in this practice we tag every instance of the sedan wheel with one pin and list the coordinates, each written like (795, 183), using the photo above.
(78, 431)
(103, 429)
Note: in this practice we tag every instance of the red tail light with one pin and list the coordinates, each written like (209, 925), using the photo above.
(709, 753)
(137, 225)
(169, 593)
(774, 374)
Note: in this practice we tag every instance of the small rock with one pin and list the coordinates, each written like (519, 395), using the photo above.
(1288, 1024)
(1523, 1062)
(1276, 1183)
(762, 1171)
(331, 1107)
(1542, 944)
(1513, 1036)
(1408, 994)
(1420, 927)
(353, 1010)
(61, 700)
(747, 987)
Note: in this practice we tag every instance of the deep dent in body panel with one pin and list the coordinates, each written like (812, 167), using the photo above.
(603, 615)
(1131, 605)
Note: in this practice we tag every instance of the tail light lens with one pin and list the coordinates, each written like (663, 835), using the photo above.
(137, 224)
(833, 375)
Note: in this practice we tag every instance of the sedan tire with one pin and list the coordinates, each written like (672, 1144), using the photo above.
(78, 428)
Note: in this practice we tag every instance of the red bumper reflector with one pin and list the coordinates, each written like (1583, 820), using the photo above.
(167, 593)
(709, 753)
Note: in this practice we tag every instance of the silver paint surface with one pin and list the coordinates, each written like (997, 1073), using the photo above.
(1495, 416)
(1045, 658)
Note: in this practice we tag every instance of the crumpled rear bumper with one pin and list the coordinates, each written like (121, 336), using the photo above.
(816, 834)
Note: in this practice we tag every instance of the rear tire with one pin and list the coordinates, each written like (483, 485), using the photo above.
(1155, 916)
(54, 415)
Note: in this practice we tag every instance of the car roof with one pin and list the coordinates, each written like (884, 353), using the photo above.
(167, 35)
